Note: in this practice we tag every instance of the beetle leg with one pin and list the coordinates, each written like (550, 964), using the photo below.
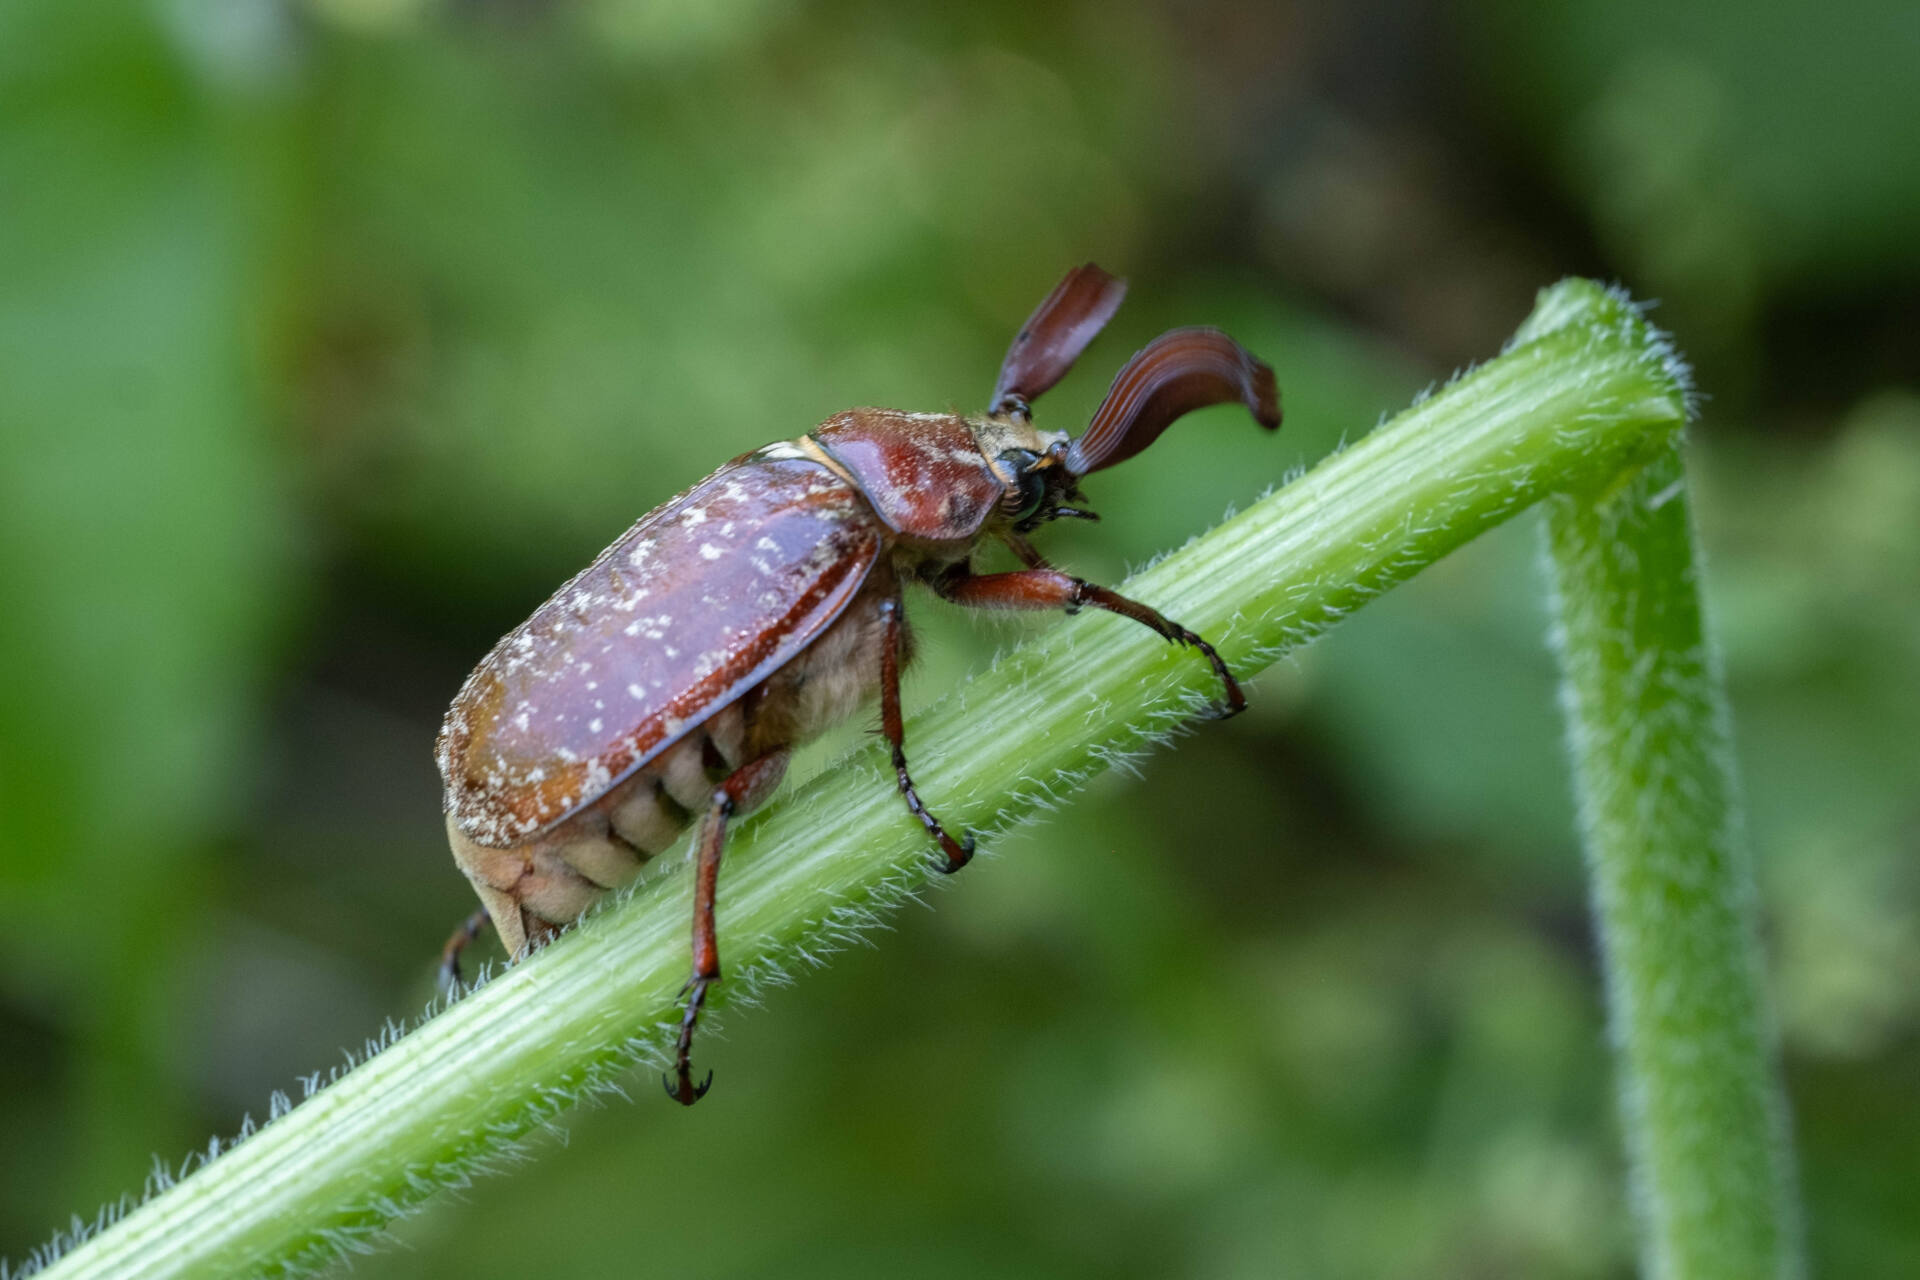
(744, 788)
(1041, 588)
(1018, 544)
(958, 852)
(450, 954)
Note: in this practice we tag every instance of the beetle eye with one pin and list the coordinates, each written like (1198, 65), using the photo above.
(1030, 487)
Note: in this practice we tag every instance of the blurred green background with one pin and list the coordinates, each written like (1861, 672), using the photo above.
(334, 334)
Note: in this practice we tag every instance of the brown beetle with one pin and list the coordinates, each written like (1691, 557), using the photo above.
(671, 678)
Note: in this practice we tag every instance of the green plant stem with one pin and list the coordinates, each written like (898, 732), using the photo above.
(1700, 1098)
(1591, 398)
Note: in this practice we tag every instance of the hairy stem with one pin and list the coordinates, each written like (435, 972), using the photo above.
(1590, 398)
(1646, 724)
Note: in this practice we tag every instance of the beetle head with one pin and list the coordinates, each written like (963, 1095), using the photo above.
(1178, 372)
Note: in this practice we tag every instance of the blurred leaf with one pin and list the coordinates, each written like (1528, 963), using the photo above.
(143, 532)
(1797, 100)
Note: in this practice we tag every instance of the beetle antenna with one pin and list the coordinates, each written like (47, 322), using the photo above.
(1054, 336)
(1178, 372)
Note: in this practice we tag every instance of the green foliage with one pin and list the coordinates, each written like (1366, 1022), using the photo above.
(333, 333)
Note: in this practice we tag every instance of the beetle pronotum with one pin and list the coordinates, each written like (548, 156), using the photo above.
(672, 677)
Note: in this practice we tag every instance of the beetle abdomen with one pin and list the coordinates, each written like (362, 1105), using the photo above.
(549, 879)
(533, 888)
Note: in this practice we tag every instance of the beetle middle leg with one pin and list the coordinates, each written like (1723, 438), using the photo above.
(746, 787)
(1047, 588)
(958, 852)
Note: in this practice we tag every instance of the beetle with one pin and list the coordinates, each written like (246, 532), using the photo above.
(670, 679)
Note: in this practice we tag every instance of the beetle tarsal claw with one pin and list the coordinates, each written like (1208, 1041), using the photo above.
(1236, 700)
(680, 1086)
(954, 856)
(685, 1091)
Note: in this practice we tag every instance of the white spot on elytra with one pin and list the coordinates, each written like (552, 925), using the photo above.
(635, 692)
(710, 552)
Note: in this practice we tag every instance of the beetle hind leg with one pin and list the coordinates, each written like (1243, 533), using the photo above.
(744, 789)
(463, 937)
(680, 1086)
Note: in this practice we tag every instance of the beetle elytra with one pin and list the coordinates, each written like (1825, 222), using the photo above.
(670, 679)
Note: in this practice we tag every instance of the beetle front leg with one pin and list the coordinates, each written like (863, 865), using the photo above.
(1044, 588)
(958, 852)
(744, 788)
